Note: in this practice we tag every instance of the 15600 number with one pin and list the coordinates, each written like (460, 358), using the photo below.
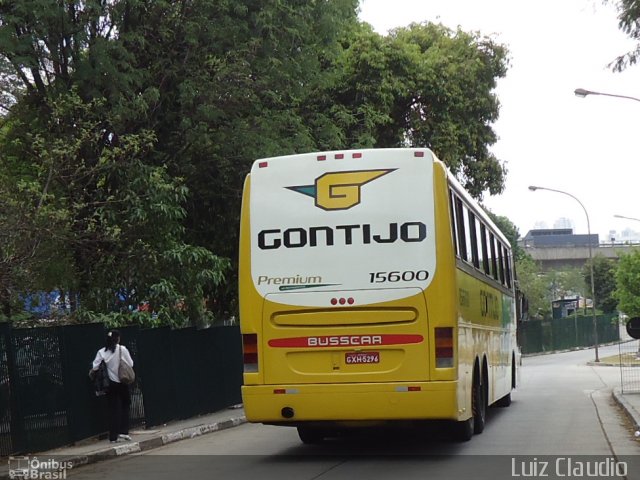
(393, 277)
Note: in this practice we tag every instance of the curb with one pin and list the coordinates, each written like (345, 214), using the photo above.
(573, 349)
(145, 445)
(630, 411)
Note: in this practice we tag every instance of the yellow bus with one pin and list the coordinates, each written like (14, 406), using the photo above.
(373, 289)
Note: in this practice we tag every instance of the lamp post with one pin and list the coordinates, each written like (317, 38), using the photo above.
(581, 92)
(627, 218)
(593, 288)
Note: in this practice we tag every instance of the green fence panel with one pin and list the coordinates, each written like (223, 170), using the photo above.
(9, 428)
(537, 336)
(530, 336)
(155, 366)
(39, 386)
(47, 400)
(86, 413)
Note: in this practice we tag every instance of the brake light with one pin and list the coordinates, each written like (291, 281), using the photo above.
(250, 352)
(444, 347)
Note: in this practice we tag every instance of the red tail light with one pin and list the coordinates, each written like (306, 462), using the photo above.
(250, 352)
(444, 347)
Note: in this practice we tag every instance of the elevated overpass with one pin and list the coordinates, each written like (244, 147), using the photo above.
(571, 256)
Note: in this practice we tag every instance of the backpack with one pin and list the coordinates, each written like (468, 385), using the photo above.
(100, 379)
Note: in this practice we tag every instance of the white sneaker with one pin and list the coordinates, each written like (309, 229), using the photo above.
(124, 437)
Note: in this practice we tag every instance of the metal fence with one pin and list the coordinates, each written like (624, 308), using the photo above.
(47, 401)
(629, 353)
(537, 336)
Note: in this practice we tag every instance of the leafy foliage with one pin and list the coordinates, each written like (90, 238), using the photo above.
(131, 126)
(535, 287)
(509, 230)
(627, 281)
(604, 274)
(629, 23)
(424, 85)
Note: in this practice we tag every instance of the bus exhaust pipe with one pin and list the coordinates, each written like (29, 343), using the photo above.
(287, 412)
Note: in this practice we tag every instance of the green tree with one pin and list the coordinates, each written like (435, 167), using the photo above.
(509, 230)
(424, 85)
(535, 287)
(629, 23)
(115, 217)
(135, 122)
(604, 272)
(627, 281)
(570, 282)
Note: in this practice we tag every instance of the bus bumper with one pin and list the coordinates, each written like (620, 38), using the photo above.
(292, 404)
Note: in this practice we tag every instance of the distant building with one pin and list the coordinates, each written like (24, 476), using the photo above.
(558, 237)
(563, 222)
(627, 236)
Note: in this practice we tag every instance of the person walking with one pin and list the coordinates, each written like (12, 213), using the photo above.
(118, 396)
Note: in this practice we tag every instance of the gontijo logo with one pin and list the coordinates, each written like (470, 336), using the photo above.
(339, 190)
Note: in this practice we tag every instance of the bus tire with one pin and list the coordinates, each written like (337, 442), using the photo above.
(478, 403)
(504, 401)
(310, 435)
(462, 431)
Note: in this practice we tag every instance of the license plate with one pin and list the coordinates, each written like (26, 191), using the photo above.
(353, 358)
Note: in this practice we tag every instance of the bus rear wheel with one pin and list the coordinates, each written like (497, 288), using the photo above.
(310, 435)
(479, 404)
(462, 431)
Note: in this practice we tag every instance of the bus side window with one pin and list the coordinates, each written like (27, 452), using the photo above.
(454, 222)
(494, 265)
(485, 253)
(501, 261)
(468, 229)
(462, 244)
(507, 265)
(473, 230)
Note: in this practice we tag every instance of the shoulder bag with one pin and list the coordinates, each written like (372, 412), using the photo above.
(125, 372)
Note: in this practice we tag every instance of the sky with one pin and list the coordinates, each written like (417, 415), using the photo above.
(548, 137)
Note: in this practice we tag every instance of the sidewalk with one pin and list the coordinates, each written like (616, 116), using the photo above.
(630, 402)
(94, 450)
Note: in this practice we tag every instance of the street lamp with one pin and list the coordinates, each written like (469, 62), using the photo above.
(593, 288)
(627, 218)
(581, 92)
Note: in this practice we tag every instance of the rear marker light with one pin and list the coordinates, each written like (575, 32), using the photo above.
(343, 301)
(418, 154)
(282, 391)
(444, 347)
(322, 157)
(356, 155)
(263, 164)
(250, 352)
(408, 389)
(339, 156)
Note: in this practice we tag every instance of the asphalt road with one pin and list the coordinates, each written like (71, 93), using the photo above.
(562, 421)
